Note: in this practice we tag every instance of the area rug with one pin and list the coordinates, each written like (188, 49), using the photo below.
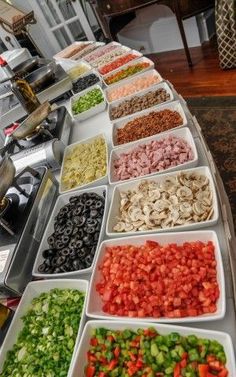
(217, 118)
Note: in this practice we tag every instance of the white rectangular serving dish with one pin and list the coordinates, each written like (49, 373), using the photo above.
(77, 64)
(61, 201)
(174, 106)
(93, 110)
(99, 181)
(114, 209)
(80, 360)
(183, 133)
(138, 56)
(162, 85)
(131, 80)
(89, 58)
(136, 61)
(87, 51)
(96, 63)
(68, 49)
(94, 302)
(34, 289)
(94, 72)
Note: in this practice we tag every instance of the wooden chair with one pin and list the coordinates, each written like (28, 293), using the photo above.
(114, 15)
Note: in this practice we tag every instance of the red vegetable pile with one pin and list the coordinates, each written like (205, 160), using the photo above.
(152, 280)
(116, 63)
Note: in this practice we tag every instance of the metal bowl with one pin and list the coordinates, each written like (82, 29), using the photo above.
(42, 76)
(27, 66)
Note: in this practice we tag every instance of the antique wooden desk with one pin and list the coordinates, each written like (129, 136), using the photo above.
(114, 15)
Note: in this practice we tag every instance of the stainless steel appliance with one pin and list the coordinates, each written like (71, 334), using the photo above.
(24, 213)
(46, 145)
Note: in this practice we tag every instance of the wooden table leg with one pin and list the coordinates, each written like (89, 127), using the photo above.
(182, 32)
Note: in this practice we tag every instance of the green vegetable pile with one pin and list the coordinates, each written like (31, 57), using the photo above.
(146, 353)
(88, 100)
(45, 344)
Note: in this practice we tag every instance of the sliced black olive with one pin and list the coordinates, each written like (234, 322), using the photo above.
(88, 260)
(59, 244)
(65, 240)
(75, 231)
(42, 267)
(87, 239)
(82, 221)
(68, 231)
(57, 270)
(77, 264)
(91, 230)
(82, 253)
(93, 213)
(54, 262)
(99, 204)
(60, 260)
(51, 240)
(48, 253)
(73, 199)
(65, 252)
(91, 222)
(79, 244)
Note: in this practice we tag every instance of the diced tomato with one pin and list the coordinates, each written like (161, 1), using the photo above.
(90, 371)
(210, 375)
(132, 370)
(101, 374)
(177, 370)
(93, 342)
(91, 357)
(211, 358)
(112, 364)
(183, 363)
(152, 280)
(110, 338)
(215, 365)
(203, 370)
(117, 352)
(223, 373)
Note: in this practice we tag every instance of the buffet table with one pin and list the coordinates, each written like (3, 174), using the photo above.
(97, 125)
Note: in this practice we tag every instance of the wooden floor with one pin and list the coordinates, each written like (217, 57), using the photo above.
(205, 78)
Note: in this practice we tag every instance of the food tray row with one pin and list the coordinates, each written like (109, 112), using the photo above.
(83, 343)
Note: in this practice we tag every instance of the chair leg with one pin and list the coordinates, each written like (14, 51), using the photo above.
(182, 32)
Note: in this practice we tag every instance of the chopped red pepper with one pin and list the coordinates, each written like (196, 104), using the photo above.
(112, 364)
(117, 352)
(177, 370)
(215, 365)
(223, 373)
(91, 357)
(93, 342)
(90, 371)
(202, 370)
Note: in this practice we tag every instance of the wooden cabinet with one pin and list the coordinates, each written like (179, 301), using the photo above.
(110, 13)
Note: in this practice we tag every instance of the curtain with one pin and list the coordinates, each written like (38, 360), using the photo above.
(226, 32)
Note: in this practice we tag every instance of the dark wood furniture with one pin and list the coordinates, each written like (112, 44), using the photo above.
(114, 15)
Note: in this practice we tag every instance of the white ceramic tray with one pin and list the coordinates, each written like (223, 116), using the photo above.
(93, 110)
(138, 56)
(162, 85)
(80, 360)
(94, 72)
(34, 289)
(61, 201)
(130, 64)
(69, 49)
(174, 106)
(114, 209)
(89, 58)
(183, 133)
(132, 80)
(94, 302)
(96, 63)
(99, 181)
(87, 51)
